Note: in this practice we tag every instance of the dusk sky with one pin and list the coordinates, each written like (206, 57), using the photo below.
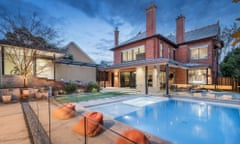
(90, 23)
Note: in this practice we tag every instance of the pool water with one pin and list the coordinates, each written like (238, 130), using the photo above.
(183, 122)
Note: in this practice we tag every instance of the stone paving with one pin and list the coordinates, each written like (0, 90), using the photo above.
(13, 129)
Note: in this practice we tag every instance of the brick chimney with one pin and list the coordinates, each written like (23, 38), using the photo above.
(151, 20)
(180, 29)
(116, 35)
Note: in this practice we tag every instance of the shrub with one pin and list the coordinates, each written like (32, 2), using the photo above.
(70, 88)
(93, 87)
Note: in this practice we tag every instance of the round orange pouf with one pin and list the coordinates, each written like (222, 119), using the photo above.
(93, 120)
(64, 112)
(134, 135)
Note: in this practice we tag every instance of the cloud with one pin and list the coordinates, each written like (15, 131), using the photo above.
(113, 12)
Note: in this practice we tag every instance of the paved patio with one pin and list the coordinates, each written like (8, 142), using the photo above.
(13, 129)
(61, 130)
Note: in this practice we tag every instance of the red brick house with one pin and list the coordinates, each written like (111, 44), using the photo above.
(150, 61)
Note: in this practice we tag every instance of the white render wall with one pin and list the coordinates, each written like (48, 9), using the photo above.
(72, 73)
(140, 79)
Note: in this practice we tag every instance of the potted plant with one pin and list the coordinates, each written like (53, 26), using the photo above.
(43, 92)
(25, 93)
(6, 95)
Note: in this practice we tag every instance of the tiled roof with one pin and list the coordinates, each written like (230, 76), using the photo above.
(139, 36)
(197, 34)
(200, 33)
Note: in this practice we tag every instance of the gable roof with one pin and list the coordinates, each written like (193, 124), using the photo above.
(200, 33)
(196, 34)
(72, 44)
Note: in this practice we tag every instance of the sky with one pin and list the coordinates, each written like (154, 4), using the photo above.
(91, 23)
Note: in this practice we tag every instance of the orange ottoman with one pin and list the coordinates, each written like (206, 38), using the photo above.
(134, 135)
(64, 112)
(93, 127)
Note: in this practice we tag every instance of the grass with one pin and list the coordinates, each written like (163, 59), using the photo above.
(87, 96)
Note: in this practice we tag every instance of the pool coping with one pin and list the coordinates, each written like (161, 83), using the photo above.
(118, 126)
(221, 102)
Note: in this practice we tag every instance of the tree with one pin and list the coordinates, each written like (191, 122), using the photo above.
(226, 37)
(26, 36)
(236, 34)
(230, 67)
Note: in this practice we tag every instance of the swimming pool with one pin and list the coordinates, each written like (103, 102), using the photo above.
(184, 122)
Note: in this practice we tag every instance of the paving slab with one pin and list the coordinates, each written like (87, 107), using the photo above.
(13, 129)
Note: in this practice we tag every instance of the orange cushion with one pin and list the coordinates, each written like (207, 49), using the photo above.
(93, 127)
(64, 112)
(134, 135)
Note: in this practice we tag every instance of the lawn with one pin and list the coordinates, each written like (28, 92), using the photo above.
(88, 96)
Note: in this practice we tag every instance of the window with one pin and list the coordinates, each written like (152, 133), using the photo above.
(19, 60)
(14, 60)
(124, 56)
(199, 52)
(132, 54)
(161, 50)
(197, 76)
(174, 54)
(44, 68)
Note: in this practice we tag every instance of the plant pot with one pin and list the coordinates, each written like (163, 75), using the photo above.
(45, 94)
(6, 98)
(25, 93)
(38, 95)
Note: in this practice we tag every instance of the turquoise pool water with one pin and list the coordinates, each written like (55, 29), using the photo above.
(182, 122)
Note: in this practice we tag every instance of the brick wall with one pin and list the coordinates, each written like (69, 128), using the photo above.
(181, 76)
(150, 49)
(17, 81)
(151, 20)
(182, 54)
(117, 52)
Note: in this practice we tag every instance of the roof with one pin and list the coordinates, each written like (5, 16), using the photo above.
(196, 34)
(77, 63)
(80, 50)
(141, 36)
(153, 61)
(200, 33)
(49, 49)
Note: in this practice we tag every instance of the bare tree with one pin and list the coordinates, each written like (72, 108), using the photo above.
(26, 37)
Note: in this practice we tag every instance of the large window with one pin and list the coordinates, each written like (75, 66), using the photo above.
(17, 61)
(200, 52)
(137, 53)
(198, 76)
(13, 61)
(44, 68)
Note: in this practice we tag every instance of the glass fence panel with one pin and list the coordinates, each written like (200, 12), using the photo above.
(61, 130)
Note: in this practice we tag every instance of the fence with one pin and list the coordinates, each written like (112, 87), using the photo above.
(228, 82)
(44, 129)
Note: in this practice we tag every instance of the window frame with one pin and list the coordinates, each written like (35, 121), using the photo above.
(198, 49)
(130, 53)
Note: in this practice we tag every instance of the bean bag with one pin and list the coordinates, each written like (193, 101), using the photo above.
(71, 106)
(94, 120)
(134, 135)
(64, 112)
